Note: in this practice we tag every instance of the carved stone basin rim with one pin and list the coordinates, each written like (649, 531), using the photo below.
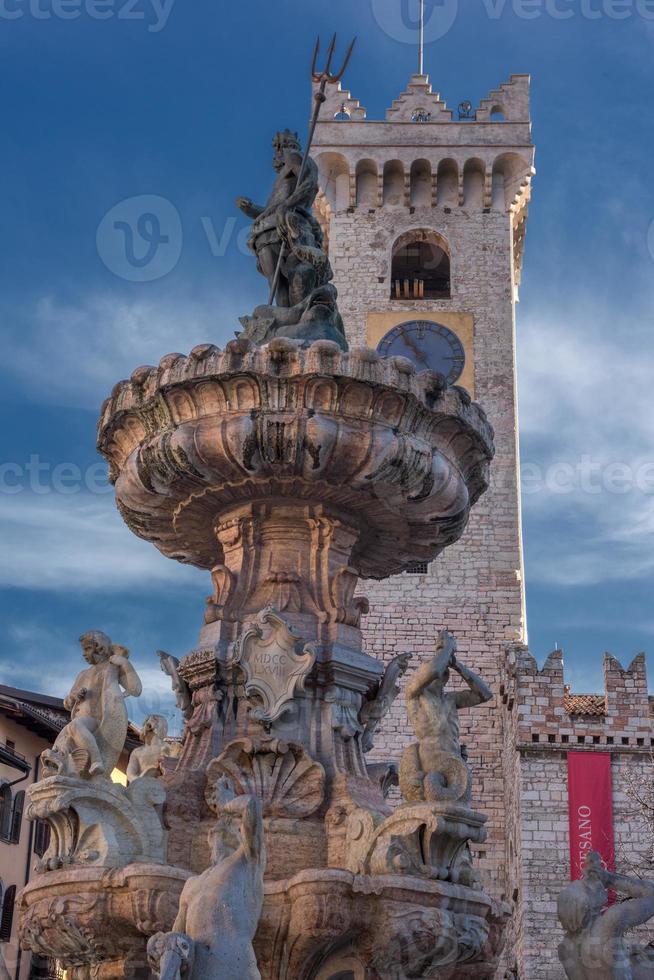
(398, 887)
(94, 915)
(396, 452)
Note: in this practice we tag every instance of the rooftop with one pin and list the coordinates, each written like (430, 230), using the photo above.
(585, 705)
(40, 713)
(43, 715)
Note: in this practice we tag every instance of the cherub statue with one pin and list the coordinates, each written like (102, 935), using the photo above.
(594, 946)
(148, 760)
(434, 768)
(92, 743)
(219, 910)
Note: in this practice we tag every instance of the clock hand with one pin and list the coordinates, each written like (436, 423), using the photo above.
(416, 350)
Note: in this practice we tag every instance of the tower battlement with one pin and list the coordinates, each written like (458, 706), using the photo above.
(508, 103)
(548, 713)
(511, 100)
(421, 157)
(464, 182)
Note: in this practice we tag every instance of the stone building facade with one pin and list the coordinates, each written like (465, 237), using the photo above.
(29, 724)
(422, 183)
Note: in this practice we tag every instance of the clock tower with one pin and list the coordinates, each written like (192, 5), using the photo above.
(425, 213)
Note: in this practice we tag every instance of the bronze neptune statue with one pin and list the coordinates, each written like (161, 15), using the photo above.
(288, 243)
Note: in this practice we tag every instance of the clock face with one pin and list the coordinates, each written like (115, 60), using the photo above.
(431, 347)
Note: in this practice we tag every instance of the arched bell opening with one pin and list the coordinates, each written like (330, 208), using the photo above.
(421, 267)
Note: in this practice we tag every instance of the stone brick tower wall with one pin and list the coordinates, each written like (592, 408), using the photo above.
(543, 721)
(464, 185)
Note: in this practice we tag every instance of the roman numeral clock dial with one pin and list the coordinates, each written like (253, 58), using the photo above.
(431, 347)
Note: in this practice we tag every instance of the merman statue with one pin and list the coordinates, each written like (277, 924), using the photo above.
(148, 759)
(434, 768)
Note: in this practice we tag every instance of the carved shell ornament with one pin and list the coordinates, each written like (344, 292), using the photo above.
(281, 774)
(274, 670)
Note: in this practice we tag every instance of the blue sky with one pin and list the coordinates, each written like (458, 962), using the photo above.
(179, 100)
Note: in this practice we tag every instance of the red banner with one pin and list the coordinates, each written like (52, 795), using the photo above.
(590, 808)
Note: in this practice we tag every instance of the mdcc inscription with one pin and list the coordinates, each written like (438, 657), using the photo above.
(267, 652)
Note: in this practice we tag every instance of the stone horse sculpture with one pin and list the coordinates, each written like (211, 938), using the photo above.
(594, 947)
(92, 743)
(219, 910)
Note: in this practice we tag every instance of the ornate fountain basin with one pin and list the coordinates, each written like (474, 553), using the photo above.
(100, 918)
(395, 454)
(394, 927)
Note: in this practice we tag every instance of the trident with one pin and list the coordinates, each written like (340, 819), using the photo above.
(324, 78)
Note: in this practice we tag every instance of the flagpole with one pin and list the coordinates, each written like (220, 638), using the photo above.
(421, 55)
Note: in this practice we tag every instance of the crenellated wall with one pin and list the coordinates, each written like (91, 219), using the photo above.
(511, 100)
(543, 721)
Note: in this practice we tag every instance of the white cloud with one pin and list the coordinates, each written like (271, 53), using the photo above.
(58, 543)
(585, 374)
(63, 544)
(29, 670)
(587, 432)
(75, 354)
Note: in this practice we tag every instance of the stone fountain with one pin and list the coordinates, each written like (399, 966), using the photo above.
(290, 468)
